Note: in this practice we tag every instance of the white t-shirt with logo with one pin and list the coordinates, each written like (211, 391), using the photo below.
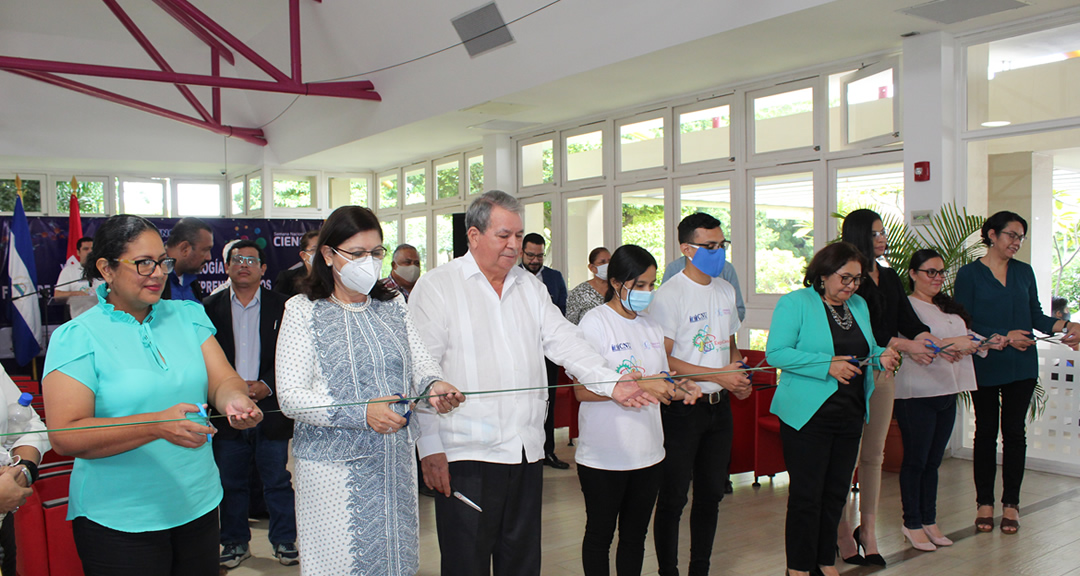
(611, 436)
(700, 319)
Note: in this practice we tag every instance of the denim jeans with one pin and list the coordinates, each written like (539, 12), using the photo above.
(234, 460)
(925, 426)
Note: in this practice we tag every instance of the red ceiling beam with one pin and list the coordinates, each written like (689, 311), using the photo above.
(197, 30)
(294, 39)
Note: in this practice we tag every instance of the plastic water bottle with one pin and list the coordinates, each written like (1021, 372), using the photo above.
(20, 413)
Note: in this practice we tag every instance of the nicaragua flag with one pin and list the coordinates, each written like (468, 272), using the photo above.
(26, 312)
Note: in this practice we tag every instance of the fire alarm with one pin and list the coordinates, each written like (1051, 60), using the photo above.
(922, 171)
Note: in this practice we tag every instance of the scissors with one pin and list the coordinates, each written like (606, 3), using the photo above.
(202, 412)
(861, 363)
(937, 349)
(408, 413)
(668, 378)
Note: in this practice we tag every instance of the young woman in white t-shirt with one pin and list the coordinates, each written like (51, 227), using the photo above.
(620, 449)
(925, 406)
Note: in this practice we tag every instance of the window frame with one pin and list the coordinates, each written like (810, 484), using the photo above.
(165, 191)
(223, 195)
(773, 157)
(379, 177)
(425, 166)
(893, 64)
(604, 128)
(714, 102)
(463, 177)
(54, 207)
(42, 178)
(556, 164)
(670, 221)
(349, 176)
(652, 171)
(467, 190)
(314, 176)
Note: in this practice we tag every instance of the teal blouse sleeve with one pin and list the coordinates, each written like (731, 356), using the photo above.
(71, 352)
(194, 313)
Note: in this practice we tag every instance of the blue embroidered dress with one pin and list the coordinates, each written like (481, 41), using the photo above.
(356, 500)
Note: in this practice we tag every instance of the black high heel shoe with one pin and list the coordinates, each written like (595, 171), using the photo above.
(871, 559)
(856, 560)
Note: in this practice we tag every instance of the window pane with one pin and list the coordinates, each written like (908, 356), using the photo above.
(870, 106)
(538, 219)
(416, 234)
(836, 133)
(348, 192)
(537, 163)
(585, 156)
(388, 191)
(641, 145)
(147, 198)
(255, 193)
(783, 231)
(415, 182)
(444, 238)
(476, 175)
(198, 199)
(758, 339)
(643, 223)
(448, 180)
(91, 196)
(31, 190)
(879, 188)
(713, 198)
(390, 240)
(236, 190)
(358, 191)
(705, 135)
(293, 192)
(784, 121)
(584, 232)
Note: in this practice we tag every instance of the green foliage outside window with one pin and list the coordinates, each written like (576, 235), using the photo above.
(292, 194)
(31, 190)
(91, 197)
(447, 182)
(476, 177)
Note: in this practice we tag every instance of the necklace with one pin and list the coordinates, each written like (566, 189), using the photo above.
(351, 307)
(844, 323)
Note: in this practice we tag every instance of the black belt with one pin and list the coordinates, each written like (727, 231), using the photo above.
(716, 397)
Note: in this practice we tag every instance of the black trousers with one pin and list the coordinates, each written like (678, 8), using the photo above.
(7, 544)
(1009, 404)
(507, 533)
(549, 422)
(625, 497)
(187, 550)
(820, 459)
(697, 440)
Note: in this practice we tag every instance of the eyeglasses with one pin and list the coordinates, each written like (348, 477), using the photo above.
(713, 245)
(146, 266)
(1016, 237)
(848, 279)
(377, 253)
(931, 272)
(245, 260)
(533, 256)
(879, 233)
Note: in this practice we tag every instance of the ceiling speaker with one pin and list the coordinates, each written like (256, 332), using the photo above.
(482, 30)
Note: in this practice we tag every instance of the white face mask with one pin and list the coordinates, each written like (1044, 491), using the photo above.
(601, 271)
(408, 273)
(360, 275)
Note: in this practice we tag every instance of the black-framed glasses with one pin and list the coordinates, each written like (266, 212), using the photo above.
(378, 253)
(532, 255)
(245, 260)
(713, 245)
(1016, 237)
(932, 272)
(848, 279)
(879, 233)
(146, 266)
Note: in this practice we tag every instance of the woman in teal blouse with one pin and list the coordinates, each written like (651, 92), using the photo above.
(143, 497)
(1000, 294)
(817, 338)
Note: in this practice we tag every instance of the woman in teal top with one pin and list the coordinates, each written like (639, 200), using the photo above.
(817, 338)
(143, 497)
(1000, 294)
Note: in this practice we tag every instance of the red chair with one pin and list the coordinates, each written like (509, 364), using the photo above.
(768, 450)
(566, 406)
(42, 533)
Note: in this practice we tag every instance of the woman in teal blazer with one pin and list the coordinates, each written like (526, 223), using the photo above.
(818, 338)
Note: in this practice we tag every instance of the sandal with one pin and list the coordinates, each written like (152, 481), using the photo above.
(984, 523)
(1008, 525)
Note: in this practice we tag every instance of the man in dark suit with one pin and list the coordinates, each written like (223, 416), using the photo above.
(532, 259)
(288, 281)
(247, 318)
(190, 242)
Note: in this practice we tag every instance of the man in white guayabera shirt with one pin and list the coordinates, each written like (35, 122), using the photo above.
(490, 323)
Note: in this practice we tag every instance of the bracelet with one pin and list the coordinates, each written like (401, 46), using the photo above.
(30, 468)
(29, 477)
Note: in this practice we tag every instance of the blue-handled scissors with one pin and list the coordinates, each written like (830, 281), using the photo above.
(202, 412)
(668, 378)
(408, 413)
(937, 349)
(861, 363)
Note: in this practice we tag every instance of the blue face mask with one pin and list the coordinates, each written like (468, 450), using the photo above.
(711, 262)
(637, 300)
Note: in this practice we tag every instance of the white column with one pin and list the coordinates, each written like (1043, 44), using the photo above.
(499, 164)
(928, 89)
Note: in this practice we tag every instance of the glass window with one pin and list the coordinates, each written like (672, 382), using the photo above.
(1022, 79)
(584, 232)
(870, 108)
(416, 186)
(585, 156)
(879, 188)
(198, 199)
(388, 190)
(641, 145)
(784, 121)
(91, 195)
(31, 193)
(294, 192)
(705, 134)
(476, 174)
(758, 339)
(255, 193)
(643, 223)
(348, 192)
(712, 198)
(390, 241)
(444, 238)
(783, 231)
(448, 180)
(146, 198)
(538, 220)
(836, 131)
(537, 163)
(236, 193)
(416, 234)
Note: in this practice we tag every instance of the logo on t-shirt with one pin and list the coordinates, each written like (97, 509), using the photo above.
(704, 341)
(629, 365)
(651, 345)
(620, 347)
(699, 317)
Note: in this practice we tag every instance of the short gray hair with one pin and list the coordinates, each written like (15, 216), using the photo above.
(403, 247)
(479, 213)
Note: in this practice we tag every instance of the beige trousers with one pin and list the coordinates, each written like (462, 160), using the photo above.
(872, 450)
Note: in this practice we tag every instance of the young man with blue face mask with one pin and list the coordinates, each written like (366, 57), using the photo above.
(697, 311)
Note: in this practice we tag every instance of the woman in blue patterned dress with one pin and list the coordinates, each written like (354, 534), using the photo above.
(346, 341)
